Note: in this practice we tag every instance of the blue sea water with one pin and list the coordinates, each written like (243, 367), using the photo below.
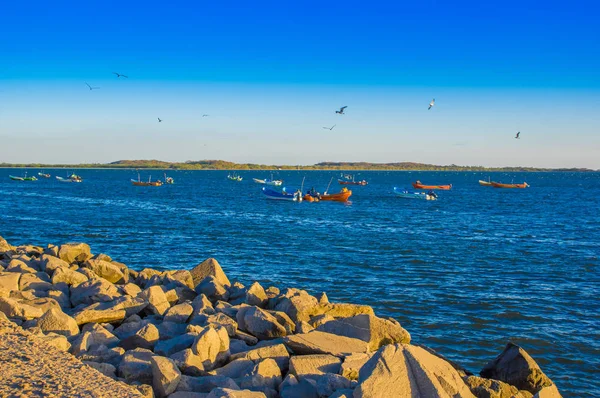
(464, 275)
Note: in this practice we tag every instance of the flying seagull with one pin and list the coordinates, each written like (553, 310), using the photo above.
(329, 128)
(431, 104)
(91, 88)
(120, 75)
(341, 111)
(205, 115)
(518, 135)
(159, 119)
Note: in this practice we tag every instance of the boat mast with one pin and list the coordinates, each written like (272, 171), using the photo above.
(327, 190)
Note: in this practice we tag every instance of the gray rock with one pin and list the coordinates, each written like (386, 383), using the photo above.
(10, 281)
(235, 369)
(128, 329)
(313, 366)
(304, 389)
(317, 342)
(105, 368)
(146, 337)
(98, 315)
(303, 327)
(319, 320)
(169, 347)
(169, 330)
(165, 375)
(179, 313)
(180, 277)
(259, 323)
(49, 264)
(205, 383)
(208, 345)
(93, 291)
(130, 289)
(297, 304)
(213, 289)
(353, 363)
(14, 309)
(231, 393)
(277, 352)
(488, 388)
(265, 373)
(516, 367)
(158, 303)
(188, 363)
(68, 276)
(19, 266)
(136, 366)
(328, 383)
(106, 270)
(216, 320)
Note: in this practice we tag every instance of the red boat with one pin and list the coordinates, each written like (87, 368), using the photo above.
(338, 197)
(499, 185)
(419, 185)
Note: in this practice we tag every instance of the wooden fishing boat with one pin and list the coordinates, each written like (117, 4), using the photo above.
(169, 180)
(338, 197)
(72, 178)
(234, 177)
(24, 178)
(500, 185)
(16, 178)
(268, 182)
(309, 198)
(415, 195)
(283, 195)
(485, 183)
(419, 185)
(149, 183)
(44, 175)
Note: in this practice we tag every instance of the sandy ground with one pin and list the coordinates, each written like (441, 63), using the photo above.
(30, 368)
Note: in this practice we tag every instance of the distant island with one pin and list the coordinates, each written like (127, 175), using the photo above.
(225, 165)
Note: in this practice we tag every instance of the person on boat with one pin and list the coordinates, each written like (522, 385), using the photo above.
(344, 189)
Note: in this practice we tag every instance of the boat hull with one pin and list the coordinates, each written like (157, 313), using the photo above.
(146, 184)
(274, 183)
(510, 186)
(485, 183)
(16, 178)
(343, 182)
(274, 195)
(337, 197)
(414, 195)
(417, 185)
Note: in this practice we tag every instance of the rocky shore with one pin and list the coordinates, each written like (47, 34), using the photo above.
(77, 324)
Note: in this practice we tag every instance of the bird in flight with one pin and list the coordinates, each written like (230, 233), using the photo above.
(205, 115)
(518, 135)
(159, 119)
(431, 104)
(341, 111)
(329, 128)
(120, 75)
(91, 88)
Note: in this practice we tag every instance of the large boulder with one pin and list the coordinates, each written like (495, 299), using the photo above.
(58, 322)
(329, 383)
(517, 368)
(165, 375)
(10, 280)
(106, 270)
(19, 266)
(146, 337)
(49, 263)
(179, 277)
(205, 383)
(297, 304)
(488, 388)
(179, 313)
(157, 301)
(15, 309)
(208, 345)
(171, 346)
(92, 291)
(5, 246)
(317, 342)
(209, 267)
(230, 393)
(409, 371)
(213, 289)
(39, 281)
(136, 366)
(188, 363)
(312, 366)
(375, 331)
(259, 323)
(71, 252)
(99, 315)
(278, 352)
(353, 363)
(264, 375)
(68, 276)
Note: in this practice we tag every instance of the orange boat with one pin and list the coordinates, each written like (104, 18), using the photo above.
(418, 185)
(499, 185)
(338, 197)
(309, 198)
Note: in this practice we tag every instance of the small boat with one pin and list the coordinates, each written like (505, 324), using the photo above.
(44, 175)
(283, 195)
(72, 178)
(415, 195)
(419, 185)
(348, 179)
(268, 182)
(500, 185)
(309, 198)
(149, 183)
(168, 180)
(341, 196)
(24, 178)
(485, 183)
(16, 178)
(234, 177)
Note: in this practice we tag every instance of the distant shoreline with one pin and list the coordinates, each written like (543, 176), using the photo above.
(323, 166)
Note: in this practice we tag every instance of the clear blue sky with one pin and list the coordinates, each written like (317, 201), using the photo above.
(271, 74)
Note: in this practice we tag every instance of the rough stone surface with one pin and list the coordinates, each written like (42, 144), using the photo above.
(265, 374)
(98, 316)
(297, 304)
(93, 291)
(165, 375)
(146, 337)
(302, 366)
(278, 352)
(155, 296)
(71, 252)
(68, 276)
(375, 331)
(188, 363)
(58, 322)
(171, 346)
(209, 267)
(136, 366)
(516, 367)
(488, 388)
(353, 363)
(14, 309)
(179, 313)
(259, 323)
(328, 383)
(205, 384)
(9, 280)
(106, 270)
(213, 289)
(317, 342)
(229, 393)
(409, 371)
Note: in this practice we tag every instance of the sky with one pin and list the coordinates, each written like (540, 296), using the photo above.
(270, 75)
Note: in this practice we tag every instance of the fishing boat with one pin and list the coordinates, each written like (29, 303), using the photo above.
(169, 180)
(341, 196)
(43, 175)
(266, 181)
(24, 178)
(485, 183)
(283, 195)
(415, 195)
(500, 185)
(348, 179)
(419, 185)
(234, 177)
(72, 178)
(149, 183)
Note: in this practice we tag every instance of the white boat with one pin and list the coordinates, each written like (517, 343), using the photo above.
(415, 195)
(268, 182)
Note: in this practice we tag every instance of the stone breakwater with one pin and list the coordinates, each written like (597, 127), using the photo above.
(194, 333)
